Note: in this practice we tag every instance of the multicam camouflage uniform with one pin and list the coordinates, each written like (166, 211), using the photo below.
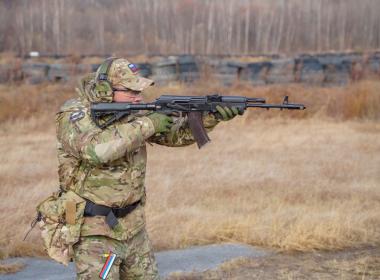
(108, 167)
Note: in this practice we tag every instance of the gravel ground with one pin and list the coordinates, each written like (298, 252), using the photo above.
(194, 259)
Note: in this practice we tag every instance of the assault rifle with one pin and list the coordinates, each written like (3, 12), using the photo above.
(193, 106)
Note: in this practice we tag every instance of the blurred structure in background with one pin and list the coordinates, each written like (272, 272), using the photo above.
(325, 69)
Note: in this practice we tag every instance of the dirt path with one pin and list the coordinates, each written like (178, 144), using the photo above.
(353, 264)
(233, 261)
(195, 259)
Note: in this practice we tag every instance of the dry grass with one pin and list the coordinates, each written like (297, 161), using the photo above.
(293, 185)
(356, 101)
(11, 267)
(278, 182)
(20, 102)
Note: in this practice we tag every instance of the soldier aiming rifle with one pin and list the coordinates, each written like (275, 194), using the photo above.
(97, 218)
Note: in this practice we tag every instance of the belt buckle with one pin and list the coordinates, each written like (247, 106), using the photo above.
(116, 211)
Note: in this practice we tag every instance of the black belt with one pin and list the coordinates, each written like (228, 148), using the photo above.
(110, 213)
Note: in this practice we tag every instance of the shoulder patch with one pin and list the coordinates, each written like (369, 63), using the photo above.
(77, 115)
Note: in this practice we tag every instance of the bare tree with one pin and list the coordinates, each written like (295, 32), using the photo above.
(191, 26)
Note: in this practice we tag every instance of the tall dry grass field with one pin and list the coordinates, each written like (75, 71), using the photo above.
(304, 182)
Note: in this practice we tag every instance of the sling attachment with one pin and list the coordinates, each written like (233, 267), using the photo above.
(33, 224)
(110, 213)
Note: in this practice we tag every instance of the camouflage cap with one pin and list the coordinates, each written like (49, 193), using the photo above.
(124, 74)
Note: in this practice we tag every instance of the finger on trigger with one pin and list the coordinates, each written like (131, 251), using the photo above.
(235, 111)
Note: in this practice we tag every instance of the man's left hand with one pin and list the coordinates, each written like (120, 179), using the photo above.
(227, 113)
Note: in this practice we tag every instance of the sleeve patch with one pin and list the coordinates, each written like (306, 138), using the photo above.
(75, 116)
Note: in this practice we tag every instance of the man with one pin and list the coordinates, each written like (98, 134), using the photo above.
(106, 167)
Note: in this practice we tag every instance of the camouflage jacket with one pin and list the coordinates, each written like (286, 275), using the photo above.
(108, 166)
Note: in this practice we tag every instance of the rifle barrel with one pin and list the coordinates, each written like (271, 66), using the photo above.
(289, 106)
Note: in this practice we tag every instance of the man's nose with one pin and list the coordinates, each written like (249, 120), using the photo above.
(138, 98)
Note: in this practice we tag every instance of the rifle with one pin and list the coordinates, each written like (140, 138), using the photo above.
(193, 106)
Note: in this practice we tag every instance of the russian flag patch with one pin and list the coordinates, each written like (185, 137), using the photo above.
(133, 67)
(107, 265)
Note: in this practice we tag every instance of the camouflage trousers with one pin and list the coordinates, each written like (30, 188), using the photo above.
(135, 259)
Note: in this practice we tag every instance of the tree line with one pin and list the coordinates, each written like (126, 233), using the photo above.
(188, 26)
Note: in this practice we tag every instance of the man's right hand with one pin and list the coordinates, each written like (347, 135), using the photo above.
(162, 123)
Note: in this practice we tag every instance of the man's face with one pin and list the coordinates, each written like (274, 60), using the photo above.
(127, 95)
